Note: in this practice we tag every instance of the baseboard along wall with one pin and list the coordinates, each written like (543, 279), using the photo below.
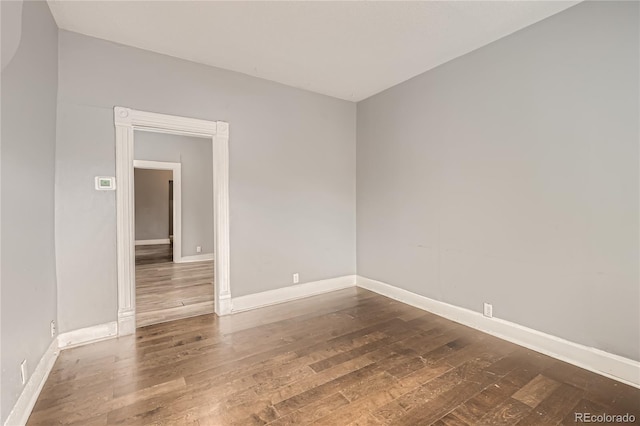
(195, 258)
(88, 335)
(616, 367)
(286, 294)
(152, 242)
(27, 399)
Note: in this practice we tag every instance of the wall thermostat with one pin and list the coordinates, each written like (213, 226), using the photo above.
(105, 183)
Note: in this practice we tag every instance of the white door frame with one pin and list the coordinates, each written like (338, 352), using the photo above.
(176, 168)
(126, 121)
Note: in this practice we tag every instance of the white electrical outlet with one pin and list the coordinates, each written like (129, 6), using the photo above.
(23, 371)
(53, 329)
(198, 249)
(488, 310)
(296, 278)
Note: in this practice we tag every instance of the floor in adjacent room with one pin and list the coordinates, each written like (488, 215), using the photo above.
(166, 291)
(346, 357)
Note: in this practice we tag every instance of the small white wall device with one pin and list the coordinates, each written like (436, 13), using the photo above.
(105, 183)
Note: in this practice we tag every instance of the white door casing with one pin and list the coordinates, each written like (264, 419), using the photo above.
(126, 121)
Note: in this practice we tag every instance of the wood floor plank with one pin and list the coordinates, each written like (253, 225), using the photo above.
(507, 413)
(451, 420)
(315, 410)
(555, 407)
(474, 409)
(349, 357)
(536, 390)
(364, 420)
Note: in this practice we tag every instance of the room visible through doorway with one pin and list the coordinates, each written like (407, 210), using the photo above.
(171, 282)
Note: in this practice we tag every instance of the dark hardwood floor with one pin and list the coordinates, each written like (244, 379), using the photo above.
(349, 357)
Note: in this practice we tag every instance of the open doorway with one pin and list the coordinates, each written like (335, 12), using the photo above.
(128, 121)
(173, 207)
(154, 216)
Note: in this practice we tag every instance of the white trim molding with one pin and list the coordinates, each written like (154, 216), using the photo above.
(163, 123)
(176, 171)
(31, 391)
(604, 363)
(27, 399)
(195, 258)
(222, 280)
(87, 335)
(127, 120)
(286, 294)
(153, 242)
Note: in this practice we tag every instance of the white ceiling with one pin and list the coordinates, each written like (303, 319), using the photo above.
(349, 50)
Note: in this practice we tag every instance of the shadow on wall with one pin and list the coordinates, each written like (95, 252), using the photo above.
(11, 30)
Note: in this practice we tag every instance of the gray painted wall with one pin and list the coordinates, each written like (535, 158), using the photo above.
(11, 21)
(196, 158)
(28, 275)
(292, 177)
(152, 203)
(510, 176)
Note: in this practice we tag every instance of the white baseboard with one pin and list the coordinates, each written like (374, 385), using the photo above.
(194, 258)
(223, 305)
(88, 335)
(616, 367)
(153, 242)
(286, 294)
(27, 399)
(126, 322)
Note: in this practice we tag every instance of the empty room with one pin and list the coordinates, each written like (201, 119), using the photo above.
(332, 213)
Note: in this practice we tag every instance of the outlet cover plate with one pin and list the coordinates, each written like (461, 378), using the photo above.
(488, 310)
